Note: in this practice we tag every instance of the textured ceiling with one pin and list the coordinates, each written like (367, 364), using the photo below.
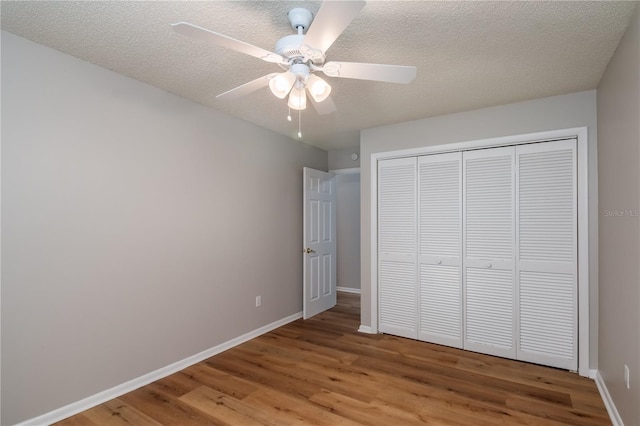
(468, 54)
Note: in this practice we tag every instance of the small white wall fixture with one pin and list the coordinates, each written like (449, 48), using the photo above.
(580, 133)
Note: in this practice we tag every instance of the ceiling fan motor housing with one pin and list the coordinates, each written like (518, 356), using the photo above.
(289, 46)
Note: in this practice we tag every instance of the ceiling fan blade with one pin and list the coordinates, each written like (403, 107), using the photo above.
(200, 33)
(247, 88)
(330, 21)
(375, 72)
(325, 107)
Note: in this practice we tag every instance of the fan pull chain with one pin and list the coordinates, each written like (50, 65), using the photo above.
(289, 115)
(300, 124)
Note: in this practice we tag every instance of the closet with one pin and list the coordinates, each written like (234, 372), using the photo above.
(478, 250)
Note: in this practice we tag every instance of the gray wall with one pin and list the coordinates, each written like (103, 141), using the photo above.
(341, 158)
(348, 230)
(137, 228)
(619, 179)
(347, 217)
(558, 112)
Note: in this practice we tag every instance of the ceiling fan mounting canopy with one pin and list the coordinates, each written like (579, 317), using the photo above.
(300, 18)
(301, 55)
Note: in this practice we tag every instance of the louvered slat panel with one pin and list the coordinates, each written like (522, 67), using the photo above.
(546, 313)
(398, 304)
(489, 206)
(489, 288)
(397, 207)
(440, 304)
(546, 206)
(546, 261)
(440, 207)
(397, 247)
(440, 234)
(489, 309)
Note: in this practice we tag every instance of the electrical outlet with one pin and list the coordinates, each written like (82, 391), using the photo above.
(258, 301)
(626, 376)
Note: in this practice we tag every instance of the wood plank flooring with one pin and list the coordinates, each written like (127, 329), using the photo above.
(323, 372)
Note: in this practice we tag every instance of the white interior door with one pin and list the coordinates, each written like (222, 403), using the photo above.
(319, 235)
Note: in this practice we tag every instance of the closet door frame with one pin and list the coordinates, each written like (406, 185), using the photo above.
(579, 133)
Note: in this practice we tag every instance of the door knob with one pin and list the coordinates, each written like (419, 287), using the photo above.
(309, 251)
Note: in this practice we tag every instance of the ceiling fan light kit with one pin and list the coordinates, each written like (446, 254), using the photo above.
(301, 55)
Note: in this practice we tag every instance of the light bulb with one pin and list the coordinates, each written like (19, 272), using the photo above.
(281, 84)
(298, 98)
(318, 88)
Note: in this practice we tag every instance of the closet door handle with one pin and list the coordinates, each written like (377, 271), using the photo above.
(439, 262)
(488, 266)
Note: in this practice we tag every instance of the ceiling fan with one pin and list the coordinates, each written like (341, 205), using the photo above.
(302, 56)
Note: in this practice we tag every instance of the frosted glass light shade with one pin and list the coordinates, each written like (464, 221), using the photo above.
(318, 88)
(298, 98)
(281, 84)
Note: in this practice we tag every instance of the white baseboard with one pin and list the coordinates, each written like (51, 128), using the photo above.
(616, 420)
(348, 290)
(365, 329)
(116, 391)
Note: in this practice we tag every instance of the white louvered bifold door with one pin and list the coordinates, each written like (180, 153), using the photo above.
(489, 255)
(546, 264)
(440, 248)
(397, 247)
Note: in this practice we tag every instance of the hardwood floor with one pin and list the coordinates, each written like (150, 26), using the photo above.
(323, 372)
